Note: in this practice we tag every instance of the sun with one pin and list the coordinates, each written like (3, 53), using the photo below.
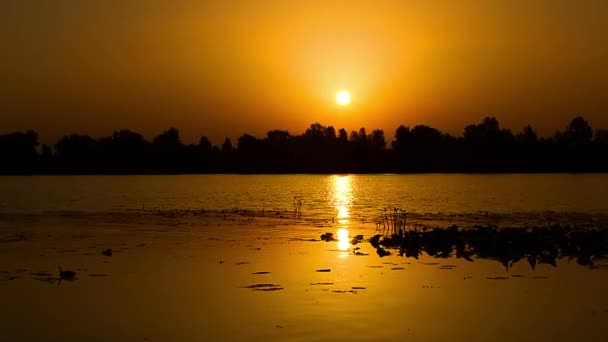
(343, 98)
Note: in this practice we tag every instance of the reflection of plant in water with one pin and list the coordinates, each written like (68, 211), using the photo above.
(392, 221)
(506, 245)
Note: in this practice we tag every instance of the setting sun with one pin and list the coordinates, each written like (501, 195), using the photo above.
(343, 98)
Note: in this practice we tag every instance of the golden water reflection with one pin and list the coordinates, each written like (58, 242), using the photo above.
(342, 200)
(343, 239)
(342, 213)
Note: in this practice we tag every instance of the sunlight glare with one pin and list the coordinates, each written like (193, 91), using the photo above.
(342, 193)
(343, 239)
(343, 97)
(342, 213)
(342, 197)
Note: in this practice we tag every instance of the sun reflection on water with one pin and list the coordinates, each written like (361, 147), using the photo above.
(343, 239)
(342, 214)
(342, 198)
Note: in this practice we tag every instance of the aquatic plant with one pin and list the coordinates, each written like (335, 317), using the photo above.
(65, 275)
(392, 221)
(328, 237)
(538, 245)
(297, 205)
(356, 239)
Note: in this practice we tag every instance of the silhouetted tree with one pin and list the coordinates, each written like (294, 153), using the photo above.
(401, 137)
(578, 132)
(483, 147)
(315, 130)
(168, 140)
(330, 133)
(528, 150)
(227, 146)
(601, 136)
(77, 153)
(277, 137)
(488, 146)
(248, 144)
(343, 136)
(169, 151)
(527, 136)
(125, 151)
(46, 153)
(377, 139)
(400, 146)
(204, 146)
(18, 152)
(202, 157)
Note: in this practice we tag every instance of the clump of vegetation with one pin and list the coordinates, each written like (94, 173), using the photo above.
(538, 245)
(392, 221)
(328, 237)
(356, 239)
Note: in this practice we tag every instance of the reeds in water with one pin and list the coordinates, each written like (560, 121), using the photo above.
(392, 221)
(297, 205)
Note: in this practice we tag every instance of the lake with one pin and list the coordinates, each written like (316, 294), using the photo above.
(294, 257)
(322, 196)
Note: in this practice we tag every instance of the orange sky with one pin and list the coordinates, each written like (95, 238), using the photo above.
(221, 68)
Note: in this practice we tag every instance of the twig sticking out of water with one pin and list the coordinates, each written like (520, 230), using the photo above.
(297, 205)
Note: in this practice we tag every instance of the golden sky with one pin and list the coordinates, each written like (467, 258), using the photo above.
(222, 68)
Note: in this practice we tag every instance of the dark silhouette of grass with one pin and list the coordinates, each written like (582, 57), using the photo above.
(392, 221)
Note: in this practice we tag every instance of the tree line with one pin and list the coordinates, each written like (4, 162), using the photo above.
(483, 147)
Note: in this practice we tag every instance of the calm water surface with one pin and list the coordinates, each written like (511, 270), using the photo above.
(225, 257)
(433, 193)
(361, 196)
